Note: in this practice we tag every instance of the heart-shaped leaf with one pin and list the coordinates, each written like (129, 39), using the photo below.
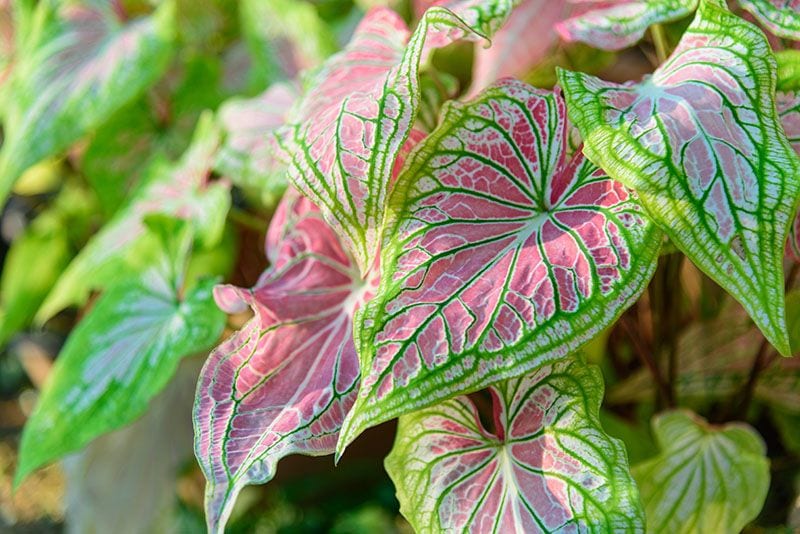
(503, 255)
(283, 383)
(353, 121)
(247, 156)
(788, 106)
(701, 143)
(78, 66)
(706, 478)
(123, 352)
(181, 190)
(613, 25)
(548, 466)
(781, 17)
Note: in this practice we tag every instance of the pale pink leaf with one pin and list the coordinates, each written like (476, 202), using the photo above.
(788, 105)
(781, 17)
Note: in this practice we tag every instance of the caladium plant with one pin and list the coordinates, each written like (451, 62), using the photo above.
(425, 211)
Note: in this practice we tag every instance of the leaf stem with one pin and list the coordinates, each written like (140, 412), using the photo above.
(665, 314)
(660, 42)
(247, 220)
(645, 355)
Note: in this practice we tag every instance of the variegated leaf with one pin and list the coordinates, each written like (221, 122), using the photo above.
(781, 17)
(283, 383)
(613, 25)
(548, 466)
(701, 143)
(503, 255)
(181, 190)
(247, 156)
(351, 124)
(123, 352)
(79, 65)
(788, 105)
(706, 479)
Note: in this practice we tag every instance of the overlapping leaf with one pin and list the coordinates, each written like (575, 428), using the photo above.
(702, 145)
(788, 106)
(247, 156)
(284, 382)
(706, 478)
(547, 466)
(615, 25)
(123, 352)
(79, 65)
(503, 256)
(181, 190)
(781, 17)
(357, 115)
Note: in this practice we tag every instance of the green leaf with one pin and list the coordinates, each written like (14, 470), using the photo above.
(182, 190)
(78, 66)
(788, 70)
(546, 467)
(706, 479)
(701, 143)
(780, 17)
(123, 352)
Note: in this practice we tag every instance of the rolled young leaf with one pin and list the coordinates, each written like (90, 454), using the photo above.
(501, 255)
(615, 25)
(78, 66)
(123, 352)
(362, 104)
(548, 466)
(283, 383)
(702, 145)
(781, 17)
(706, 479)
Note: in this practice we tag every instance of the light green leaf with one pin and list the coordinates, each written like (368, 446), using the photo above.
(546, 467)
(182, 190)
(78, 66)
(123, 352)
(780, 17)
(706, 479)
(701, 143)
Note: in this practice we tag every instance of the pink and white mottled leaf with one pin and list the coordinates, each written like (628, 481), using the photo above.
(788, 106)
(701, 143)
(781, 17)
(547, 466)
(520, 44)
(352, 122)
(504, 255)
(284, 382)
(247, 155)
(182, 190)
(613, 25)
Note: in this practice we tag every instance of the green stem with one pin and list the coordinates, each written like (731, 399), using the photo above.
(247, 220)
(665, 313)
(660, 42)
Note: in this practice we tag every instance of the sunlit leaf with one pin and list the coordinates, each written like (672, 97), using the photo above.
(781, 17)
(123, 352)
(283, 383)
(706, 479)
(546, 467)
(79, 65)
(361, 106)
(614, 25)
(181, 190)
(247, 155)
(503, 255)
(701, 143)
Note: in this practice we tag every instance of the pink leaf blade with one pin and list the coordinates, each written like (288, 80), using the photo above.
(788, 106)
(548, 466)
(499, 247)
(781, 17)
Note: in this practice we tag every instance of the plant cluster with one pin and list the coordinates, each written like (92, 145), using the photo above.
(469, 231)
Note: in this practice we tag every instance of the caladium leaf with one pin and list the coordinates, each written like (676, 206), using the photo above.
(181, 190)
(247, 156)
(706, 478)
(123, 352)
(504, 255)
(781, 17)
(613, 25)
(547, 466)
(514, 51)
(788, 106)
(282, 384)
(355, 118)
(701, 143)
(79, 65)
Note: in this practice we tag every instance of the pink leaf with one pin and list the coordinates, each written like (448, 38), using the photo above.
(788, 105)
(502, 255)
